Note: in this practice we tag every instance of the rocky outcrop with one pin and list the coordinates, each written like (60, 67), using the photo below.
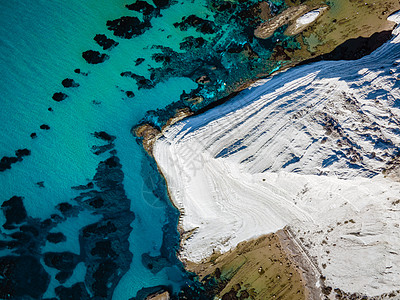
(148, 135)
(103, 41)
(59, 96)
(94, 57)
(141, 81)
(68, 83)
(201, 25)
(7, 161)
(128, 27)
(141, 6)
(267, 29)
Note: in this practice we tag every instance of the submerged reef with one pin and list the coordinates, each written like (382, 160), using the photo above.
(104, 246)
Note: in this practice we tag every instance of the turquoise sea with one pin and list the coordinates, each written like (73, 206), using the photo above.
(83, 204)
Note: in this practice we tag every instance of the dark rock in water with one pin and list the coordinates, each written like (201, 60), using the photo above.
(56, 237)
(3, 245)
(128, 27)
(22, 152)
(62, 261)
(191, 42)
(102, 275)
(105, 42)
(162, 3)
(50, 109)
(77, 291)
(160, 57)
(94, 57)
(112, 162)
(201, 25)
(23, 277)
(130, 94)
(104, 244)
(14, 211)
(29, 228)
(78, 71)
(104, 228)
(141, 6)
(22, 237)
(33, 135)
(64, 207)
(103, 249)
(96, 202)
(97, 150)
(141, 81)
(90, 185)
(139, 61)
(104, 136)
(47, 224)
(182, 65)
(56, 218)
(63, 276)
(235, 48)
(32, 232)
(59, 96)
(44, 127)
(67, 209)
(154, 263)
(40, 184)
(6, 162)
(68, 82)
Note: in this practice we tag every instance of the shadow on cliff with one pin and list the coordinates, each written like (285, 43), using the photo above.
(353, 49)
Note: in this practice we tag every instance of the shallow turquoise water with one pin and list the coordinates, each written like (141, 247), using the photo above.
(42, 43)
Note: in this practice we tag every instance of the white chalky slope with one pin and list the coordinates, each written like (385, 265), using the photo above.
(305, 148)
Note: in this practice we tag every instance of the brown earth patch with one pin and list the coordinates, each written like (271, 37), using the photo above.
(255, 269)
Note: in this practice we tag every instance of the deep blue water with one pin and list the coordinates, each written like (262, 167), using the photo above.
(83, 204)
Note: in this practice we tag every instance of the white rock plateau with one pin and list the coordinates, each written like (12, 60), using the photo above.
(306, 149)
